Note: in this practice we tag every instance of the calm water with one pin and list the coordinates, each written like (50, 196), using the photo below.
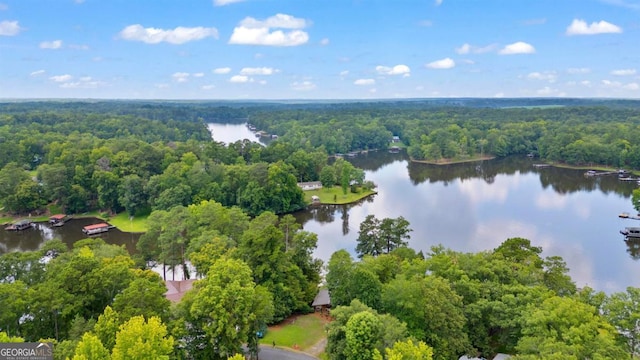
(31, 239)
(465, 207)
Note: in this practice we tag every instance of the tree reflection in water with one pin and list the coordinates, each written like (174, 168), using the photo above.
(633, 247)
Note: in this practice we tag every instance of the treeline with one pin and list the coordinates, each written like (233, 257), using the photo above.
(508, 300)
(113, 162)
(255, 272)
(574, 135)
(94, 301)
(189, 111)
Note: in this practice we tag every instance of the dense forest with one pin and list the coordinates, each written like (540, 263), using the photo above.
(223, 208)
(142, 156)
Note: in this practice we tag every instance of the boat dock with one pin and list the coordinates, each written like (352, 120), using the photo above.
(20, 225)
(96, 228)
(541, 165)
(626, 215)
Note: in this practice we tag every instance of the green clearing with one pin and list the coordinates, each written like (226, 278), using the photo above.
(300, 332)
(334, 195)
(454, 161)
(137, 225)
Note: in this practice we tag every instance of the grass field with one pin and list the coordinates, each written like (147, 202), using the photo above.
(300, 332)
(123, 223)
(335, 195)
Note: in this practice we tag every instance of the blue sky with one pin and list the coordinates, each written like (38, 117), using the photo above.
(319, 49)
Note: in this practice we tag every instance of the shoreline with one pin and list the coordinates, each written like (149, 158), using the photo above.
(452, 161)
(334, 196)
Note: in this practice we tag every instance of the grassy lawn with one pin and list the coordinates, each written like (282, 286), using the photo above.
(122, 222)
(335, 195)
(300, 332)
(454, 161)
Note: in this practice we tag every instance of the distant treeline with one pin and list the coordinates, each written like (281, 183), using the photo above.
(143, 155)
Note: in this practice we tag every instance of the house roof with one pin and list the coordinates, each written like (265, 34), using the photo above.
(322, 298)
(57, 216)
(177, 288)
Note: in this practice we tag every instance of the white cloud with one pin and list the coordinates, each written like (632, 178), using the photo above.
(632, 86)
(498, 95)
(549, 76)
(55, 44)
(401, 69)
(365, 82)
(446, 63)
(578, 70)
(198, 75)
(180, 77)
(85, 82)
(179, 35)
(438, 2)
(262, 36)
(258, 71)
(162, 86)
(464, 49)
(258, 32)
(468, 48)
(9, 28)
(282, 21)
(517, 48)
(426, 23)
(324, 42)
(580, 27)
(225, 2)
(623, 72)
(609, 83)
(61, 78)
(586, 83)
(303, 85)
(207, 87)
(37, 73)
(240, 79)
(619, 85)
(224, 70)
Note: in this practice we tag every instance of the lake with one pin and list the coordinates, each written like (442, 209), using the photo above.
(466, 207)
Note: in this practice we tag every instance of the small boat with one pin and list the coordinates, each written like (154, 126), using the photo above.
(96, 228)
(20, 225)
(624, 215)
(633, 232)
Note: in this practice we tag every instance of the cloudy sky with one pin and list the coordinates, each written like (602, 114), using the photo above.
(319, 49)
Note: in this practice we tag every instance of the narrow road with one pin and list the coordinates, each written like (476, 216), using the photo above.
(271, 353)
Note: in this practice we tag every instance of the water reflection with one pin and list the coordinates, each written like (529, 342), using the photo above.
(633, 247)
(466, 207)
(33, 238)
(475, 206)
